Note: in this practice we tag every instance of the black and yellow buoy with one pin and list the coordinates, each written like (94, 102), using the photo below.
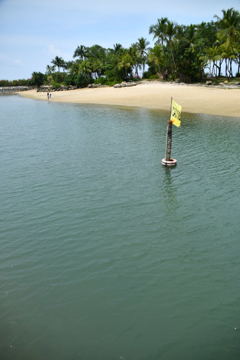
(174, 120)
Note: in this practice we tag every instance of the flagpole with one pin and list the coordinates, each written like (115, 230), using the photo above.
(168, 161)
(169, 137)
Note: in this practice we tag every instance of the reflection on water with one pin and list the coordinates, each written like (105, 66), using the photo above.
(169, 189)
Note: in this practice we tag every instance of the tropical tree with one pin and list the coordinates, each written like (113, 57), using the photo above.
(96, 55)
(159, 30)
(117, 49)
(189, 57)
(142, 47)
(50, 69)
(125, 64)
(84, 73)
(117, 64)
(80, 52)
(164, 31)
(58, 62)
(214, 60)
(156, 61)
(136, 59)
(228, 34)
(37, 79)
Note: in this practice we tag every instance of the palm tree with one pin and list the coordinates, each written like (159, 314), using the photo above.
(159, 30)
(81, 52)
(84, 73)
(214, 58)
(50, 69)
(134, 53)
(85, 67)
(142, 47)
(125, 64)
(229, 24)
(59, 62)
(228, 35)
(165, 31)
(170, 32)
(117, 49)
(156, 59)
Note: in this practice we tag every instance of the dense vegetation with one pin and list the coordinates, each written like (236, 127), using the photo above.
(180, 53)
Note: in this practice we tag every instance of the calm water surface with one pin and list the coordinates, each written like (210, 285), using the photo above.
(105, 254)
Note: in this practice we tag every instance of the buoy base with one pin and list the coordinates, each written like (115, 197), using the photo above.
(170, 162)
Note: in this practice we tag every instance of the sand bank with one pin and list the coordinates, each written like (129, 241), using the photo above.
(154, 95)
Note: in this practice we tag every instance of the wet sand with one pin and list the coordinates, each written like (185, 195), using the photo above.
(154, 95)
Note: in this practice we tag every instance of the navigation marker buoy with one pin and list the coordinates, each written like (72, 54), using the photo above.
(170, 162)
(175, 119)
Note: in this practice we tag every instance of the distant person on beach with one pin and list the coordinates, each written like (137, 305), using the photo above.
(48, 95)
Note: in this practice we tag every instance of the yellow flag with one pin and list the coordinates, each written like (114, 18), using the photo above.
(176, 114)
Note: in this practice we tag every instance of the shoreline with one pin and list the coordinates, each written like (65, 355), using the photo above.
(154, 95)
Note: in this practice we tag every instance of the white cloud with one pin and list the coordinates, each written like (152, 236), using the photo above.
(54, 50)
(4, 59)
(17, 62)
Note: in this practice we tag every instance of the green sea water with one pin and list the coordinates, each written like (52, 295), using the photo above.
(104, 253)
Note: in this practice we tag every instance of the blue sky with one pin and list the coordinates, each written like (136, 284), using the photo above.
(33, 32)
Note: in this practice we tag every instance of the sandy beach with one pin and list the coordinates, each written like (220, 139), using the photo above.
(154, 95)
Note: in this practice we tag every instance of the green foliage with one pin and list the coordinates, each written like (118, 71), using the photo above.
(148, 75)
(20, 82)
(37, 79)
(104, 81)
(59, 63)
(59, 77)
(69, 79)
(56, 85)
(82, 80)
(101, 81)
(157, 61)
